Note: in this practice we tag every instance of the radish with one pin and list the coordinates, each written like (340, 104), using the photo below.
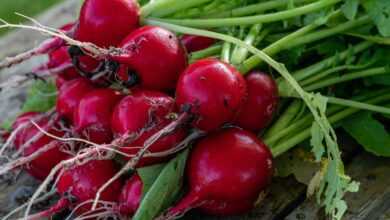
(92, 118)
(131, 195)
(52, 151)
(79, 185)
(69, 96)
(194, 43)
(22, 122)
(61, 57)
(226, 172)
(262, 101)
(155, 55)
(107, 23)
(144, 113)
(213, 90)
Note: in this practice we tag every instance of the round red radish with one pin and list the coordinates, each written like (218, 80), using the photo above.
(145, 113)
(155, 55)
(213, 90)
(226, 171)
(262, 101)
(92, 118)
(70, 95)
(41, 166)
(107, 23)
(131, 195)
(194, 43)
(83, 182)
(22, 121)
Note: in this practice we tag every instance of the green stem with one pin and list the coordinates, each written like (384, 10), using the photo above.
(284, 120)
(257, 8)
(305, 134)
(225, 54)
(249, 20)
(347, 77)
(211, 51)
(315, 68)
(166, 11)
(358, 105)
(239, 54)
(331, 71)
(167, 6)
(304, 122)
(298, 39)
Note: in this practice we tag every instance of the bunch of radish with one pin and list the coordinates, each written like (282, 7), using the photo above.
(139, 105)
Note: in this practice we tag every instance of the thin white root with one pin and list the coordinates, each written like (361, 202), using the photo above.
(25, 160)
(11, 138)
(90, 48)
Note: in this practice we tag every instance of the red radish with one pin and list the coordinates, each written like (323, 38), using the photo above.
(21, 121)
(226, 171)
(262, 101)
(80, 184)
(70, 94)
(194, 43)
(107, 23)
(92, 118)
(41, 166)
(213, 90)
(155, 55)
(131, 195)
(145, 113)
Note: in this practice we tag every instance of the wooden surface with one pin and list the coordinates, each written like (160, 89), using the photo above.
(285, 198)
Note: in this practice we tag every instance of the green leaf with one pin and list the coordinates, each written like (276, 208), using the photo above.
(149, 175)
(369, 132)
(41, 97)
(350, 8)
(379, 11)
(164, 190)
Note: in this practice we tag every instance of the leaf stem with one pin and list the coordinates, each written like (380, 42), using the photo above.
(249, 20)
(211, 51)
(347, 77)
(299, 38)
(303, 135)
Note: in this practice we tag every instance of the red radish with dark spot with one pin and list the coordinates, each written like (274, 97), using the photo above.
(107, 23)
(69, 96)
(226, 172)
(41, 166)
(213, 90)
(261, 104)
(146, 112)
(155, 55)
(92, 118)
(131, 195)
(80, 184)
(195, 43)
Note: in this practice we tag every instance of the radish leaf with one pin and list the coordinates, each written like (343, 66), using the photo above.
(350, 8)
(369, 132)
(41, 97)
(164, 190)
(149, 175)
(379, 10)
